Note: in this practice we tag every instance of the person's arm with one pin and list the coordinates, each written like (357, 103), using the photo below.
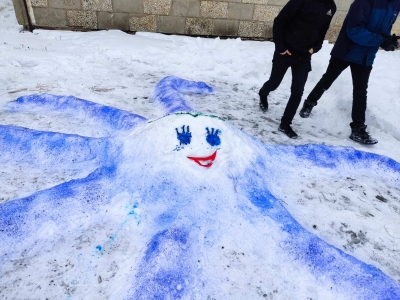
(318, 44)
(284, 17)
(357, 19)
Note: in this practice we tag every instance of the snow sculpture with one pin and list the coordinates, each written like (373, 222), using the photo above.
(176, 208)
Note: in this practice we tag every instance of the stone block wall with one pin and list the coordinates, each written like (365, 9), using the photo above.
(231, 18)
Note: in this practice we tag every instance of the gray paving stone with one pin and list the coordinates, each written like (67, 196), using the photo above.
(170, 24)
(332, 34)
(50, 17)
(268, 31)
(343, 4)
(121, 21)
(84, 19)
(251, 29)
(97, 5)
(157, 7)
(281, 3)
(65, 4)
(225, 27)
(256, 1)
(338, 18)
(143, 23)
(240, 11)
(105, 20)
(266, 13)
(39, 3)
(197, 26)
(214, 10)
(128, 6)
(186, 8)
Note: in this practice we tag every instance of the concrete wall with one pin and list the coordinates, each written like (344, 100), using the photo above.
(230, 18)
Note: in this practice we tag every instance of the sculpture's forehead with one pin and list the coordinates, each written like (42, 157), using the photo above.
(196, 123)
(192, 118)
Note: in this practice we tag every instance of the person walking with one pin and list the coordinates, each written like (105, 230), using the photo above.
(298, 32)
(366, 27)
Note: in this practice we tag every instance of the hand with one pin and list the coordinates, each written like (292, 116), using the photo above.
(390, 43)
(286, 52)
(311, 51)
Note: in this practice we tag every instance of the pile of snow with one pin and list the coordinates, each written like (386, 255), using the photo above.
(358, 214)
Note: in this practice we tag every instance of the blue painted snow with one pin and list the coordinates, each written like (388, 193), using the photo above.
(168, 261)
(165, 280)
(184, 137)
(53, 150)
(322, 259)
(112, 117)
(212, 137)
(169, 92)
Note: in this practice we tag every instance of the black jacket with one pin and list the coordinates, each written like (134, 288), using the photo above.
(302, 25)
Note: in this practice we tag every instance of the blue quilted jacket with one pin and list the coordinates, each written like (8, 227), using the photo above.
(361, 33)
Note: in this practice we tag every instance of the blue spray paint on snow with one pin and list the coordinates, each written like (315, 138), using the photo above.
(112, 117)
(165, 280)
(163, 276)
(20, 219)
(331, 157)
(322, 259)
(54, 150)
(212, 137)
(169, 92)
(184, 137)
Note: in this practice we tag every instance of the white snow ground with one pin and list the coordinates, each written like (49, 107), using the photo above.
(121, 70)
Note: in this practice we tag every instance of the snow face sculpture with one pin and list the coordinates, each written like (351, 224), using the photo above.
(181, 207)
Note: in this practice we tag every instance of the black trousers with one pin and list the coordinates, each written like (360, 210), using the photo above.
(300, 66)
(360, 75)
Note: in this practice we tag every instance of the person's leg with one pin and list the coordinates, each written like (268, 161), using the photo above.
(360, 75)
(299, 78)
(280, 64)
(335, 68)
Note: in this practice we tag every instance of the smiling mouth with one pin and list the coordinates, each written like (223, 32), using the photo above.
(205, 162)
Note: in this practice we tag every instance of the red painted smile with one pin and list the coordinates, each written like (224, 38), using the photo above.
(205, 162)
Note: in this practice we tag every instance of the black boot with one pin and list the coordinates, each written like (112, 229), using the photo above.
(360, 135)
(263, 101)
(307, 108)
(288, 131)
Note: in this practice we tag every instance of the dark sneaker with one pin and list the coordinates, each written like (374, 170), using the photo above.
(360, 135)
(307, 108)
(288, 131)
(263, 101)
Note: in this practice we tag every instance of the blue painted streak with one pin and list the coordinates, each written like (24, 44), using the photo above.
(165, 266)
(53, 150)
(322, 259)
(336, 157)
(114, 118)
(169, 92)
(20, 219)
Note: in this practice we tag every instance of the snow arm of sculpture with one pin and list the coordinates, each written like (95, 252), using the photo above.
(114, 119)
(169, 93)
(320, 160)
(50, 150)
(342, 271)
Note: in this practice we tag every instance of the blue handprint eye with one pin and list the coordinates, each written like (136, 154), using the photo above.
(212, 137)
(184, 137)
